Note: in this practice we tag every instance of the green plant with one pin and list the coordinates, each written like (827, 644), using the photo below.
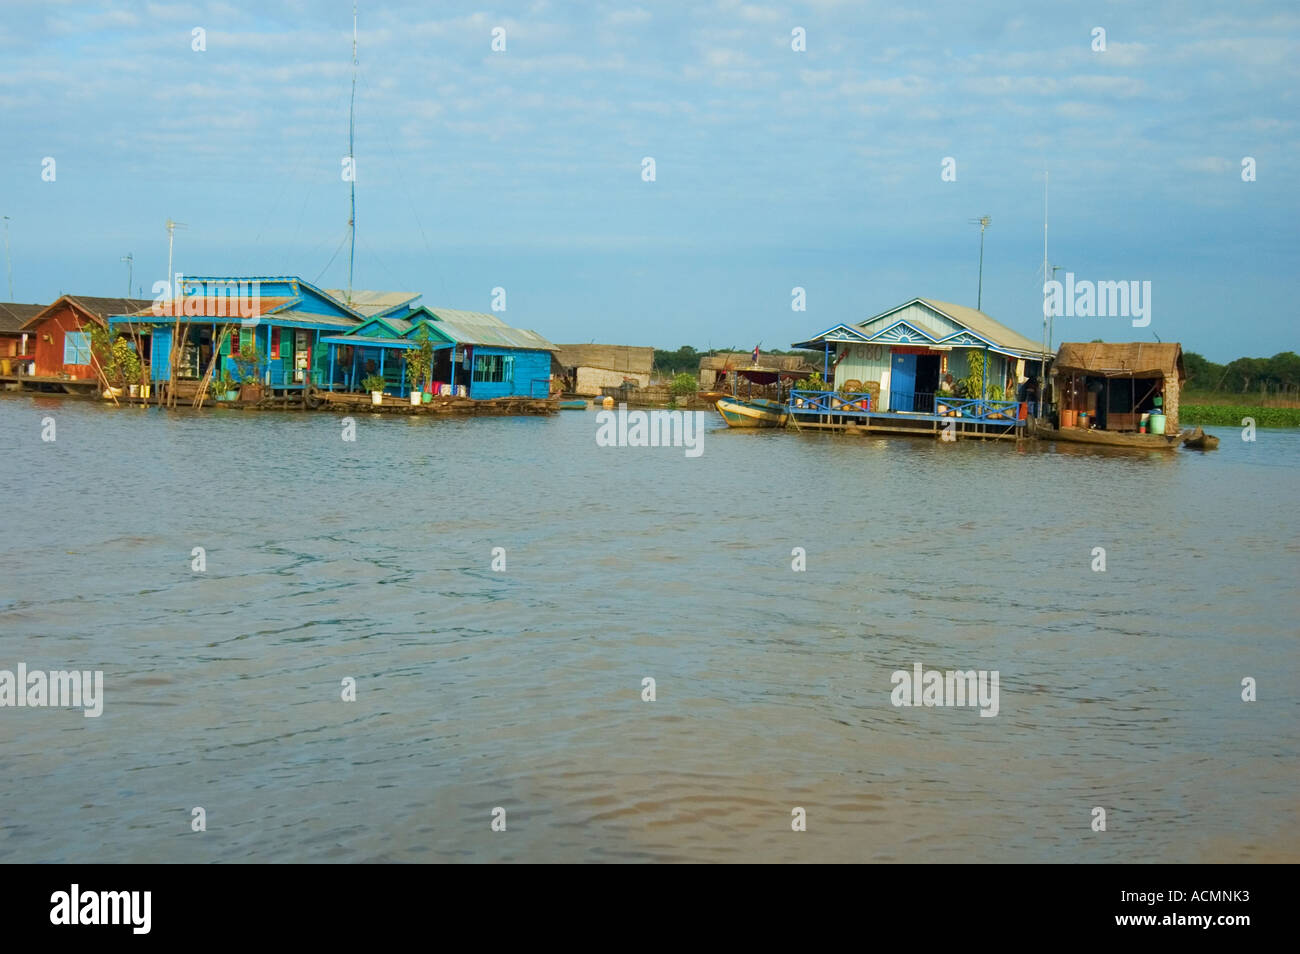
(683, 384)
(223, 383)
(995, 392)
(973, 384)
(248, 364)
(813, 382)
(419, 363)
(373, 382)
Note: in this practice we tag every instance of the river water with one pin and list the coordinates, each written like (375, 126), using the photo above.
(522, 688)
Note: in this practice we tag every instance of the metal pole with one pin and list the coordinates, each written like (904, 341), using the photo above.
(352, 219)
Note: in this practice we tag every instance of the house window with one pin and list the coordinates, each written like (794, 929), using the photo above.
(234, 341)
(494, 368)
(275, 344)
(76, 347)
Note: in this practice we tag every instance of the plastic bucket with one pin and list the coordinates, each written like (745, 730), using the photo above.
(1068, 418)
(1157, 422)
(1083, 418)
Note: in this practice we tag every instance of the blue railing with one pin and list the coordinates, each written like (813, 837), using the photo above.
(977, 409)
(829, 402)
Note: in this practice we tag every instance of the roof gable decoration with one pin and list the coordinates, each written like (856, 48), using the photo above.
(902, 332)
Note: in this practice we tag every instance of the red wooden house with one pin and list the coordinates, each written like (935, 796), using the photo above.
(62, 334)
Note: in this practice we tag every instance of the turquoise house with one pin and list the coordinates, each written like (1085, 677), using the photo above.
(475, 354)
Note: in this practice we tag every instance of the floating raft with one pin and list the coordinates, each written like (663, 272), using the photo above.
(333, 400)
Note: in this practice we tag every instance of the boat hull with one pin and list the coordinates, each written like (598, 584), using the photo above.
(738, 413)
(1078, 435)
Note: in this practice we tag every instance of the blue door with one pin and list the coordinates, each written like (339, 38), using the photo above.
(160, 359)
(902, 383)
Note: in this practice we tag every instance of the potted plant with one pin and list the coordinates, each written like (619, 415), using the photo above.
(374, 383)
(248, 373)
(419, 364)
(939, 396)
(224, 387)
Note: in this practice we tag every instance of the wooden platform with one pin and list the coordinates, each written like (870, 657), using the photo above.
(335, 401)
(49, 384)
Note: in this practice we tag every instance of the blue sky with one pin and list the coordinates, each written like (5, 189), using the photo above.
(774, 168)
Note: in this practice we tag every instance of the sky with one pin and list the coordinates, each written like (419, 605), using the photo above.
(775, 168)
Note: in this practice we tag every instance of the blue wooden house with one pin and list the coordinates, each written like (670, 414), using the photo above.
(283, 317)
(473, 351)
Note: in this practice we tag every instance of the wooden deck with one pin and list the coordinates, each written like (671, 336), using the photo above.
(335, 401)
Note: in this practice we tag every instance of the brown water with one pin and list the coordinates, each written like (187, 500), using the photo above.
(522, 689)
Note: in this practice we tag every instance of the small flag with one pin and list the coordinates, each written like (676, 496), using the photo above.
(756, 354)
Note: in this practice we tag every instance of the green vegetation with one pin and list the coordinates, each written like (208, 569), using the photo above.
(248, 364)
(813, 382)
(687, 359)
(1277, 377)
(419, 363)
(116, 357)
(1230, 415)
(683, 384)
(373, 382)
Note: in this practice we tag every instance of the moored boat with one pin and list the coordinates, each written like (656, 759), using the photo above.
(1079, 435)
(756, 412)
(573, 405)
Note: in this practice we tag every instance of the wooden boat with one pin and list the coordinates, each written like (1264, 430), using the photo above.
(1197, 439)
(1079, 435)
(758, 412)
(573, 405)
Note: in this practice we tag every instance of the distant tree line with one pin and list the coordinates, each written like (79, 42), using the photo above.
(1278, 375)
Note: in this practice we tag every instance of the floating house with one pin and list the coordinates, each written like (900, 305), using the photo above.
(475, 355)
(887, 372)
(280, 320)
(59, 336)
(585, 369)
(14, 341)
(1115, 384)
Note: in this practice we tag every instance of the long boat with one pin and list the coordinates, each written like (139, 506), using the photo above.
(755, 412)
(1079, 435)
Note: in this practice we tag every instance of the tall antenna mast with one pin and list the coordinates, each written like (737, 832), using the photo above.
(352, 114)
(130, 259)
(9, 265)
(1047, 276)
(983, 222)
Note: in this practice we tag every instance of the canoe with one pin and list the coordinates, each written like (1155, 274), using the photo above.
(758, 412)
(1197, 439)
(573, 405)
(1079, 435)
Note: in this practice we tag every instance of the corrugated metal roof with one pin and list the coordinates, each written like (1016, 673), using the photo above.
(982, 325)
(211, 306)
(371, 303)
(14, 315)
(477, 328)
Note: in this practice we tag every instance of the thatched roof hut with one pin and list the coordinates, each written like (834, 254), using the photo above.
(1119, 381)
(586, 369)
